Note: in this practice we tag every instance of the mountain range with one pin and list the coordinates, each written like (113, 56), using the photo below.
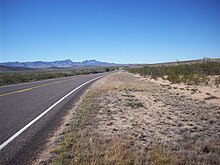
(60, 63)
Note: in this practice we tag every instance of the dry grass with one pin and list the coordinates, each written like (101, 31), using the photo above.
(96, 149)
(119, 82)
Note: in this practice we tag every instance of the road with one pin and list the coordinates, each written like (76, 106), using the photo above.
(30, 112)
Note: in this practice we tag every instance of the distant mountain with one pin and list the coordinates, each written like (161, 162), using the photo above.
(61, 63)
(96, 63)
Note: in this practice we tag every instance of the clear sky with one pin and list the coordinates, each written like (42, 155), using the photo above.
(121, 31)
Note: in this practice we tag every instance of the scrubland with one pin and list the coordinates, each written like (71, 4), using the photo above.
(15, 77)
(191, 74)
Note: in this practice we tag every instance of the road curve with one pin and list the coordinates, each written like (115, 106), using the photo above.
(30, 112)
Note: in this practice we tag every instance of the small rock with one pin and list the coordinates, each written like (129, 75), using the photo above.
(210, 98)
(109, 124)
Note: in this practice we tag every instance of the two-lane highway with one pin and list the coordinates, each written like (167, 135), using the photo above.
(30, 112)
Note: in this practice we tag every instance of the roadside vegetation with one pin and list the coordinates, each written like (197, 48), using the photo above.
(192, 74)
(7, 78)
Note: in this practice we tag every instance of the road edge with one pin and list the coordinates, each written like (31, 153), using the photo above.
(45, 156)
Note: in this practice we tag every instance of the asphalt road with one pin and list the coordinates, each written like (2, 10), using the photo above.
(30, 112)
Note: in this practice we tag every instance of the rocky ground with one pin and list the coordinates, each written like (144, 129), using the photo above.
(167, 124)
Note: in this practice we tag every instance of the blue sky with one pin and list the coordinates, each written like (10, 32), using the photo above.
(121, 31)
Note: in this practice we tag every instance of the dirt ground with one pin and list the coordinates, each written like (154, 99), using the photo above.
(156, 114)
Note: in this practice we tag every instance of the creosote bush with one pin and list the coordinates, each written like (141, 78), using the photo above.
(187, 73)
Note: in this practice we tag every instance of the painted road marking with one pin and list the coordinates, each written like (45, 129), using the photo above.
(42, 114)
(34, 87)
(23, 90)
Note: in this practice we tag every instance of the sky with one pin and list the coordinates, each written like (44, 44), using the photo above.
(119, 31)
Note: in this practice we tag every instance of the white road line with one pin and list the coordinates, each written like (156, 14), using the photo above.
(42, 114)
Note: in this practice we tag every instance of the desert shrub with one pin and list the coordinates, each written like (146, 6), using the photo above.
(174, 78)
(187, 73)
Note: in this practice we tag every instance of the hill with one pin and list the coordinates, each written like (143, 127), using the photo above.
(61, 63)
(9, 68)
